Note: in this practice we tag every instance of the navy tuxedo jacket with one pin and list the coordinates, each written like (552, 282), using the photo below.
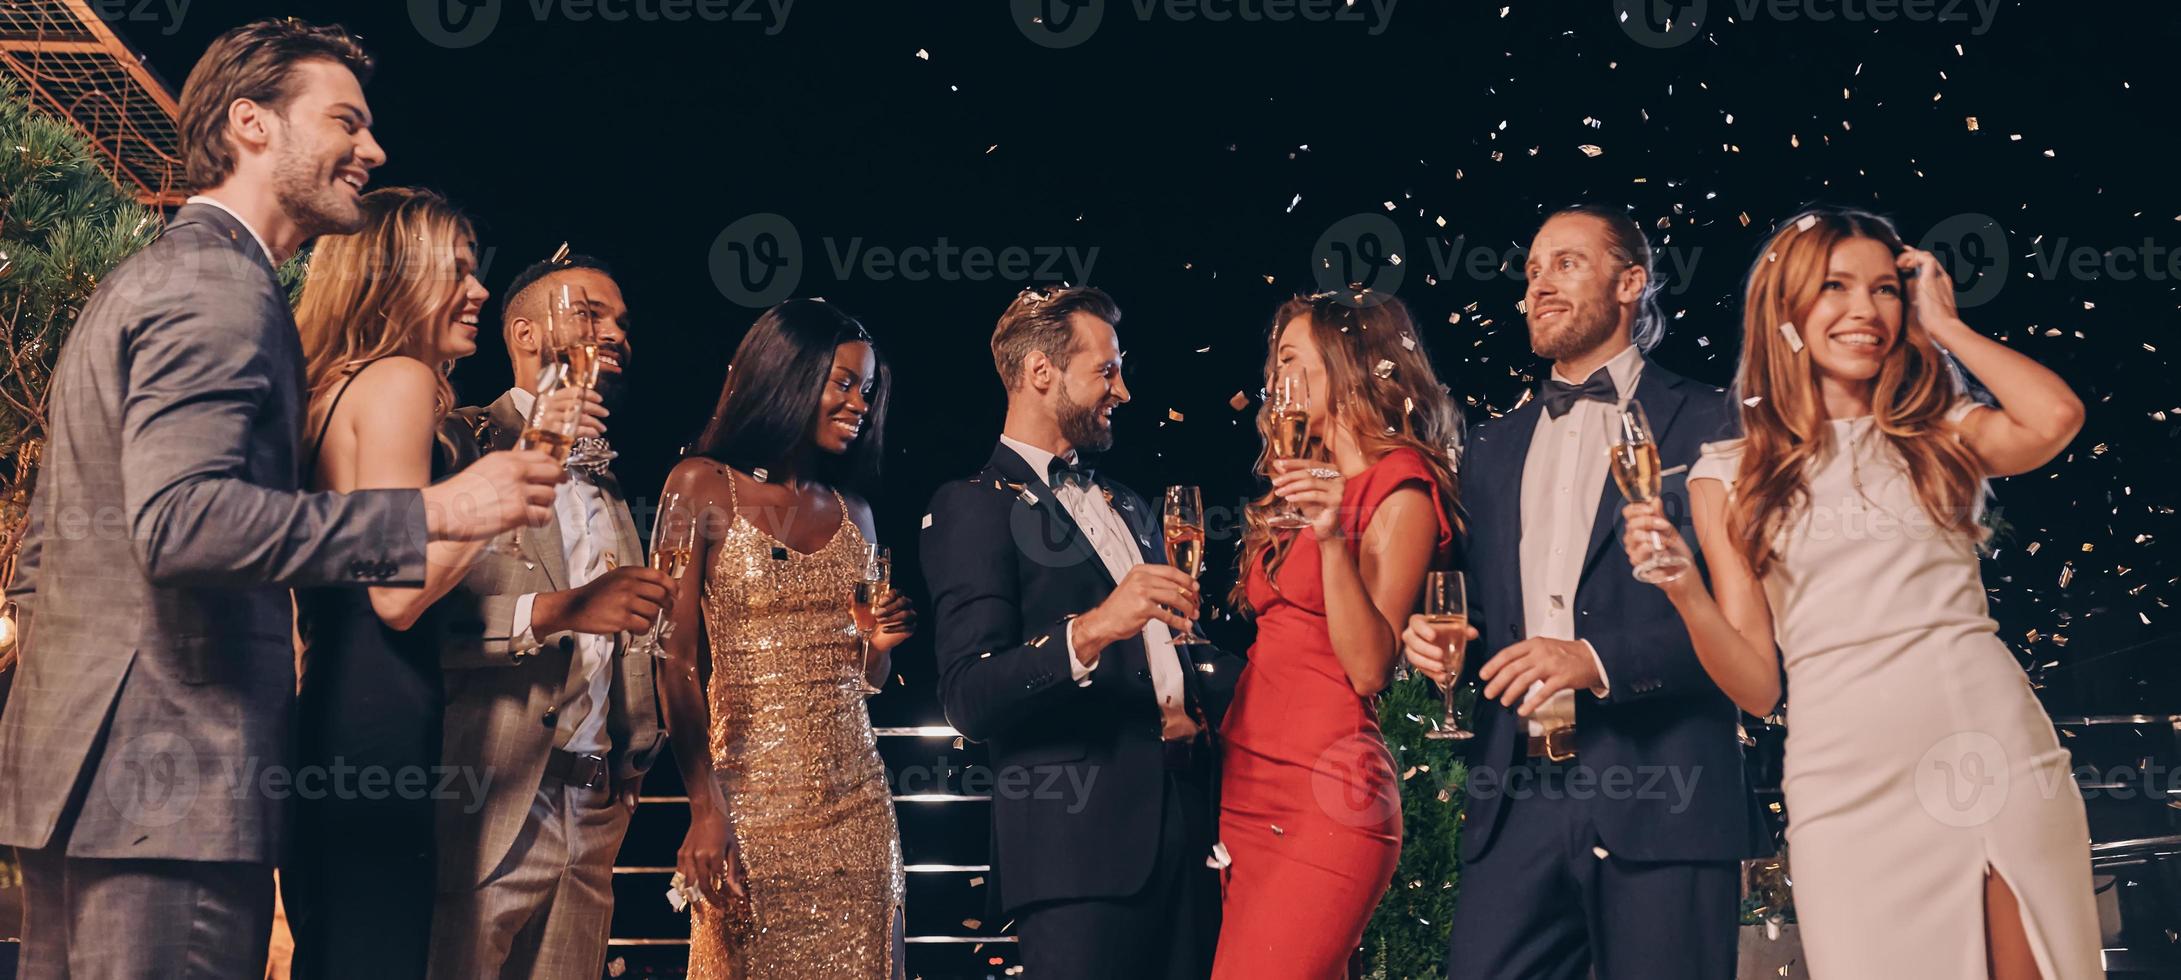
(1662, 750)
(1077, 805)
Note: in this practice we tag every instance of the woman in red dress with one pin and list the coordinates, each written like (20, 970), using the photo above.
(1310, 811)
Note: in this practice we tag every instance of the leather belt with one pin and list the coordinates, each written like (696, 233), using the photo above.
(577, 769)
(1556, 745)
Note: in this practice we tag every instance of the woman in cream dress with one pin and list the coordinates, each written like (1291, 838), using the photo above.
(1935, 829)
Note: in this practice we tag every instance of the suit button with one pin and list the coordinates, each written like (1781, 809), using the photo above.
(552, 717)
(1143, 674)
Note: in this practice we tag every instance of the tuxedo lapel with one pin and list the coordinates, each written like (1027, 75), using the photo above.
(1045, 533)
(1513, 433)
(1659, 392)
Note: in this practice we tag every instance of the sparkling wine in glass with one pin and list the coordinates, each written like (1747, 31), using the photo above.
(551, 426)
(574, 331)
(1290, 436)
(874, 587)
(1183, 529)
(673, 548)
(1634, 455)
(1446, 605)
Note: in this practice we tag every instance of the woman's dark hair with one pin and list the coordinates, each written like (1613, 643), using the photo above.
(768, 408)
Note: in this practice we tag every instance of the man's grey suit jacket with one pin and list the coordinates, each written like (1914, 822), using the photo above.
(158, 672)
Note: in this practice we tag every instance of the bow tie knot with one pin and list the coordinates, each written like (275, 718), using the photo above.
(590, 456)
(1559, 396)
(1061, 473)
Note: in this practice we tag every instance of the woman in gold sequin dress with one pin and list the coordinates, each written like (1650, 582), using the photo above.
(792, 842)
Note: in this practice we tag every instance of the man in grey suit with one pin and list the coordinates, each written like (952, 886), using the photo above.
(145, 748)
(550, 703)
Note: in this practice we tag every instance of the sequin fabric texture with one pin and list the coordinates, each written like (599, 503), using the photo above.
(798, 764)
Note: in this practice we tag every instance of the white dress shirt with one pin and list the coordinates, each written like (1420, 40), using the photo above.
(587, 538)
(1117, 548)
(1562, 478)
(246, 226)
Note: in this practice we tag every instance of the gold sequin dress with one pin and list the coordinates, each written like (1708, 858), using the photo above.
(798, 764)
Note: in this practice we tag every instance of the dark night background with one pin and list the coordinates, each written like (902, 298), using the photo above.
(1204, 160)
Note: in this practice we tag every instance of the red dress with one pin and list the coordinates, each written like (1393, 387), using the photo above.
(1310, 807)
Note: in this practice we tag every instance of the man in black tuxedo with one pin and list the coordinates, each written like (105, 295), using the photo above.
(1607, 815)
(1056, 614)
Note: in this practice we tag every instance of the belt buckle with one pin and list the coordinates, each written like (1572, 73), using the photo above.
(592, 770)
(1555, 739)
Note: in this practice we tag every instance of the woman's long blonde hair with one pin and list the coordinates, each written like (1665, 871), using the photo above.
(1382, 387)
(1784, 425)
(388, 289)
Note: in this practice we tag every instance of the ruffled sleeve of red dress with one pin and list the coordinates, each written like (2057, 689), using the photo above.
(1397, 469)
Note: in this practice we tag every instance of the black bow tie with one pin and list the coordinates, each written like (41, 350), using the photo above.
(1060, 473)
(1559, 396)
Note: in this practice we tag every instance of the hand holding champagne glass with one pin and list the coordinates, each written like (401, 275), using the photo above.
(1634, 456)
(673, 548)
(1446, 609)
(883, 617)
(1183, 529)
(555, 419)
(1290, 436)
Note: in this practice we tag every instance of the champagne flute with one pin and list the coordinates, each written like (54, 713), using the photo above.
(1446, 605)
(1290, 437)
(574, 332)
(673, 547)
(1183, 526)
(573, 324)
(550, 427)
(874, 586)
(1634, 455)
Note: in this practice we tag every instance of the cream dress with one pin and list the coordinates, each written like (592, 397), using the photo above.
(1917, 756)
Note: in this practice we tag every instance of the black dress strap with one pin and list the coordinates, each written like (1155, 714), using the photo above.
(318, 444)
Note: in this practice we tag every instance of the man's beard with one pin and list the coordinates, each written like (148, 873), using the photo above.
(314, 203)
(611, 389)
(1081, 424)
(1586, 328)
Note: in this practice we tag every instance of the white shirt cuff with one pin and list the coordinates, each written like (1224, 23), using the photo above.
(1605, 684)
(1076, 666)
(519, 637)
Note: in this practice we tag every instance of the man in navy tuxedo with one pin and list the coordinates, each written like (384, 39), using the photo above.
(1607, 815)
(1056, 615)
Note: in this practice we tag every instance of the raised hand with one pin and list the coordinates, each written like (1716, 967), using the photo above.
(1930, 290)
(1645, 523)
(624, 600)
(1315, 488)
(896, 622)
(1435, 649)
(498, 493)
(1147, 592)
